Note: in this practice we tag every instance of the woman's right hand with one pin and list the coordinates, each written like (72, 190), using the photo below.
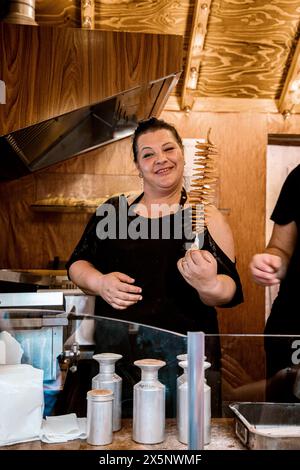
(266, 269)
(117, 290)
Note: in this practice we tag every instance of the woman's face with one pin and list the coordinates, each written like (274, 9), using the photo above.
(160, 160)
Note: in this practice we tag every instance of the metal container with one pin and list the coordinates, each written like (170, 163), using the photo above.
(182, 357)
(99, 417)
(39, 332)
(149, 404)
(268, 426)
(108, 379)
(182, 405)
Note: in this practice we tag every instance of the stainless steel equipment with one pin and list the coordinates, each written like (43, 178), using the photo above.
(149, 404)
(182, 405)
(41, 300)
(36, 320)
(31, 281)
(268, 426)
(108, 379)
(99, 417)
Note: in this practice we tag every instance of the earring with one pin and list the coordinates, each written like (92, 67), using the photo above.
(142, 181)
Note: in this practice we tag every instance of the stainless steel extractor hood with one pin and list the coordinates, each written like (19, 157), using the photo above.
(60, 138)
(38, 128)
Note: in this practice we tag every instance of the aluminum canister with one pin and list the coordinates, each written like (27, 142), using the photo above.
(149, 404)
(182, 406)
(182, 357)
(207, 409)
(99, 417)
(108, 379)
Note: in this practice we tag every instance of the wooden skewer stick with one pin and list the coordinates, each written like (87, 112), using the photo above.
(204, 180)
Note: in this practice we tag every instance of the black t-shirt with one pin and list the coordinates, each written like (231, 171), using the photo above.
(285, 315)
(287, 208)
(169, 302)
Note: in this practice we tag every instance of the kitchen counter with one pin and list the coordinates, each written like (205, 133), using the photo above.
(222, 438)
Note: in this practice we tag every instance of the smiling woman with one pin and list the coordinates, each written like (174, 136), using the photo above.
(160, 162)
(133, 254)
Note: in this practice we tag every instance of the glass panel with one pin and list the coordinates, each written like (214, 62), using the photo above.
(254, 379)
(133, 341)
(259, 368)
(260, 388)
(65, 353)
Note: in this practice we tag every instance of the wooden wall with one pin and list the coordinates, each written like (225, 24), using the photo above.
(241, 140)
(30, 240)
(50, 71)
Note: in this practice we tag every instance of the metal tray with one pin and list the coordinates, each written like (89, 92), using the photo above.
(271, 426)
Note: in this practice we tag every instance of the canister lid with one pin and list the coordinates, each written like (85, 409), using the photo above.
(98, 394)
(184, 357)
(149, 363)
(184, 364)
(107, 356)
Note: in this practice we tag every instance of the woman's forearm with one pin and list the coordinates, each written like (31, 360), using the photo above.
(285, 259)
(220, 292)
(85, 276)
(282, 243)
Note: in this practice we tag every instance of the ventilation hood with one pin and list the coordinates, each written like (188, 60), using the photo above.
(71, 90)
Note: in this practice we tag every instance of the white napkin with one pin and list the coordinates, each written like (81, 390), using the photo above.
(63, 428)
(13, 349)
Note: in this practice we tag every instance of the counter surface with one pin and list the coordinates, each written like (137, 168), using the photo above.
(222, 438)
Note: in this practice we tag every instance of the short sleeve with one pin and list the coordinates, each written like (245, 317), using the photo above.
(287, 208)
(87, 246)
(225, 266)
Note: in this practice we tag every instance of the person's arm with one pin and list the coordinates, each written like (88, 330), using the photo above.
(199, 267)
(270, 267)
(115, 288)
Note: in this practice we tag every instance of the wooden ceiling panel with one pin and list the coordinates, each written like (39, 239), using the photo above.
(151, 16)
(248, 49)
(255, 20)
(240, 70)
(62, 13)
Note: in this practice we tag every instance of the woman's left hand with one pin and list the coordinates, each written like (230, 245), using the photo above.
(199, 269)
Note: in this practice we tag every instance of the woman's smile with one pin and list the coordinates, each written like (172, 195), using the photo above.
(160, 160)
(164, 171)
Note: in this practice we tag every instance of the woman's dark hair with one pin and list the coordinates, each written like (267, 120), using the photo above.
(150, 125)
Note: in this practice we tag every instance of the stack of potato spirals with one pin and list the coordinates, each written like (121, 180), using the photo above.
(203, 182)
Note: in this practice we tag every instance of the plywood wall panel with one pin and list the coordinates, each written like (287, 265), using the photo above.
(108, 171)
(241, 140)
(112, 159)
(83, 186)
(278, 125)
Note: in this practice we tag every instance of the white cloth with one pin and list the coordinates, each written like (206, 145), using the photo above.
(13, 349)
(21, 403)
(63, 428)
